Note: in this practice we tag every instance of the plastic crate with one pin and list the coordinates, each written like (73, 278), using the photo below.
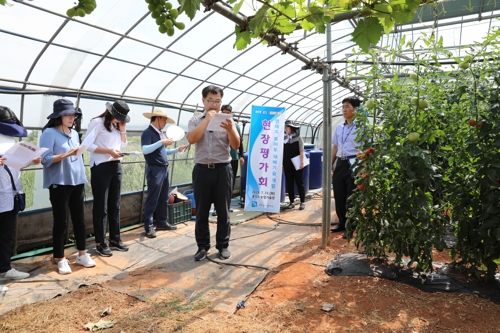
(179, 212)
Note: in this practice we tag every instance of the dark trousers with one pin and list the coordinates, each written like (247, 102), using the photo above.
(106, 181)
(157, 199)
(343, 186)
(212, 186)
(234, 166)
(8, 229)
(62, 198)
(292, 176)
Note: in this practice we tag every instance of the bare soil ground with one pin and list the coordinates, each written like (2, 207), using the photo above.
(288, 300)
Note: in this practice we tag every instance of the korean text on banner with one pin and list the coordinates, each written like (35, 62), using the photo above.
(263, 188)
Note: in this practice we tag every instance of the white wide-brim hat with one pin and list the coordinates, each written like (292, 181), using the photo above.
(159, 113)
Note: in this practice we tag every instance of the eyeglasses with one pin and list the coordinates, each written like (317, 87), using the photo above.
(344, 107)
(211, 101)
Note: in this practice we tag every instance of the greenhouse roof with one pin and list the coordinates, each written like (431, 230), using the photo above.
(117, 52)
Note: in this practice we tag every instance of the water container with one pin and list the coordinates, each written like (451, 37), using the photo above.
(243, 175)
(309, 146)
(316, 168)
(190, 195)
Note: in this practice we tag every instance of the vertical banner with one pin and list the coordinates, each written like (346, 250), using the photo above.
(265, 156)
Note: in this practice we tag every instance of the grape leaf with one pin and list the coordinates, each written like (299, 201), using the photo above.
(368, 31)
(190, 7)
(258, 21)
(242, 38)
(236, 8)
(285, 26)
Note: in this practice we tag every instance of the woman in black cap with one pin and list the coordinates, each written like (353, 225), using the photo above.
(64, 176)
(110, 137)
(294, 146)
(10, 127)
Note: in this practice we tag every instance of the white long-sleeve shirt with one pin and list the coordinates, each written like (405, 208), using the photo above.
(6, 191)
(103, 139)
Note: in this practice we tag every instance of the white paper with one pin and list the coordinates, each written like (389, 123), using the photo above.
(21, 154)
(89, 139)
(175, 133)
(296, 162)
(217, 120)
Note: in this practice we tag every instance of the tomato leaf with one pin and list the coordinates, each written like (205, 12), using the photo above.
(237, 8)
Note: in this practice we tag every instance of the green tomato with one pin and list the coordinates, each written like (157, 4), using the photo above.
(80, 12)
(152, 7)
(464, 65)
(168, 5)
(414, 76)
(468, 59)
(385, 85)
(414, 100)
(423, 103)
(413, 136)
(370, 104)
(170, 32)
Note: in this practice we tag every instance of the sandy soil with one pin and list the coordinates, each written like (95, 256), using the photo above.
(290, 299)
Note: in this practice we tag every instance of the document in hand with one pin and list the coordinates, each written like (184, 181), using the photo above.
(217, 120)
(296, 162)
(89, 139)
(21, 154)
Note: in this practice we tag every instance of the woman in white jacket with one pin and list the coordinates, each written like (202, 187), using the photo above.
(110, 137)
(10, 127)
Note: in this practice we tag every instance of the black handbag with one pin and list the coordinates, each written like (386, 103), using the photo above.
(19, 198)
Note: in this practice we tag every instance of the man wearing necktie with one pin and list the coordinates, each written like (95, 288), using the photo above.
(344, 150)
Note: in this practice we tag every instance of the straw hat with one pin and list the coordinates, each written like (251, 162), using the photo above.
(159, 113)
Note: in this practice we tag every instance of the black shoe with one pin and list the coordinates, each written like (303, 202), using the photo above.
(104, 250)
(302, 206)
(167, 226)
(119, 246)
(337, 228)
(290, 205)
(150, 233)
(344, 236)
(224, 254)
(201, 254)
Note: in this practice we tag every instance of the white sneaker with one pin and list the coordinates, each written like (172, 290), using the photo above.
(3, 288)
(85, 260)
(15, 275)
(63, 266)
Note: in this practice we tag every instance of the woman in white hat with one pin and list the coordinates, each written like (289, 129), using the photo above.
(64, 176)
(110, 137)
(10, 127)
(154, 144)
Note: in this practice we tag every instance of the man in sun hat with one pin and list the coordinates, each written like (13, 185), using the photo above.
(154, 143)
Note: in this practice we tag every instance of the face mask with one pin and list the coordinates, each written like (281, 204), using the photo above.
(6, 142)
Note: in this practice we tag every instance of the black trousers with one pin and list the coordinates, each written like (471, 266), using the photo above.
(343, 186)
(8, 229)
(212, 186)
(234, 166)
(295, 176)
(106, 181)
(64, 198)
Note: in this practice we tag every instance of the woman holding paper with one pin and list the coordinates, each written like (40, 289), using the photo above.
(110, 137)
(294, 146)
(10, 127)
(64, 176)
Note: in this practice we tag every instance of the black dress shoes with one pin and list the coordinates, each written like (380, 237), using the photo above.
(167, 226)
(337, 228)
